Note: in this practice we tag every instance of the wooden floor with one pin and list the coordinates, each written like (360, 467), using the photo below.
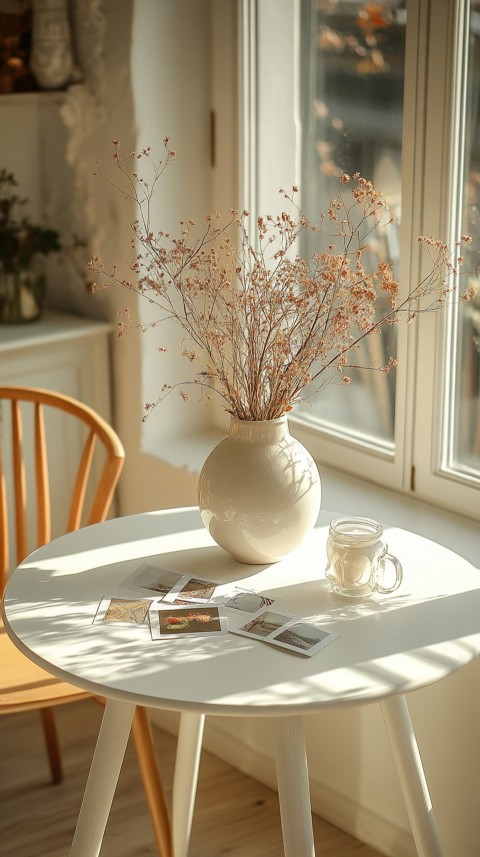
(234, 816)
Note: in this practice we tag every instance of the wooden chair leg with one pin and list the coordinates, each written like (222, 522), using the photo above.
(152, 783)
(51, 741)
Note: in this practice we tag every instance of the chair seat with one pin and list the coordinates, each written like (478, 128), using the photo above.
(23, 685)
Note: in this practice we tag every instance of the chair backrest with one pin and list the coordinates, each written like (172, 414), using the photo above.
(92, 487)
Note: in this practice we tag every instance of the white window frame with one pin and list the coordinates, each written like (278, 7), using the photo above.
(434, 480)
(431, 114)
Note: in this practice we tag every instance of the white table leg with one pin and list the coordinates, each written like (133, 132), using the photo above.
(412, 777)
(185, 779)
(293, 788)
(102, 779)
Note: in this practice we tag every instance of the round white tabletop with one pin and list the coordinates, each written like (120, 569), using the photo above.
(386, 645)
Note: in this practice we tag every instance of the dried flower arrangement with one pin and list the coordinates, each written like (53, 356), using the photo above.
(264, 326)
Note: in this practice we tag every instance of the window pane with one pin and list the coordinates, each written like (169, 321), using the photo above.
(463, 406)
(352, 57)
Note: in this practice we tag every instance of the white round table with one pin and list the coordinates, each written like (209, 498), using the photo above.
(387, 645)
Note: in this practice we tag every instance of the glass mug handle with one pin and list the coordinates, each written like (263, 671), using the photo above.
(388, 557)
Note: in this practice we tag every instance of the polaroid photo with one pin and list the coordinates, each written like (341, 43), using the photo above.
(303, 637)
(118, 610)
(246, 601)
(237, 598)
(192, 589)
(263, 625)
(186, 622)
(153, 578)
(287, 631)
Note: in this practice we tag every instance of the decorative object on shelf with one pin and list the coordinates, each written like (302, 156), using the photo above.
(22, 295)
(259, 491)
(88, 23)
(52, 56)
(22, 247)
(266, 327)
(15, 40)
(357, 558)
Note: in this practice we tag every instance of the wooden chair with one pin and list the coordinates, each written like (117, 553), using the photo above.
(23, 685)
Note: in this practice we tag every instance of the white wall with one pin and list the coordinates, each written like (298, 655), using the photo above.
(157, 82)
(20, 122)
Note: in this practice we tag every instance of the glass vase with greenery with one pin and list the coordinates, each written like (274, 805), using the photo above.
(23, 244)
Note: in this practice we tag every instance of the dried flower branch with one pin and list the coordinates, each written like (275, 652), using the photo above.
(261, 323)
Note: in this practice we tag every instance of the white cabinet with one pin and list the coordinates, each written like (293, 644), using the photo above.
(67, 354)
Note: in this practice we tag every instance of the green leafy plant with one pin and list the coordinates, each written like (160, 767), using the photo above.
(20, 240)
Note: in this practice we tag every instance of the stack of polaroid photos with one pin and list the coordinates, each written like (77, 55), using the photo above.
(172, 604)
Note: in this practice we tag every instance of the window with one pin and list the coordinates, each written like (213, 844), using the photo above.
(351, 107)
(391, 90)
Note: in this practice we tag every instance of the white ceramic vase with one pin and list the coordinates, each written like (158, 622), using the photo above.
(259, 491)
(51, 56)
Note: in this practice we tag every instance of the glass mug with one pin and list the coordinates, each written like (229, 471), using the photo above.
(357, 558)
